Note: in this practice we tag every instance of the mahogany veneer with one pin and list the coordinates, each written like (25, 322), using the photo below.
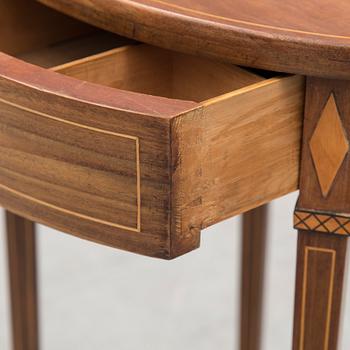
(140, 148)
(108, 160)
(306, 37)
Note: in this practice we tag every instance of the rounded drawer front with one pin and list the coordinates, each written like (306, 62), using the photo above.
(141, 148)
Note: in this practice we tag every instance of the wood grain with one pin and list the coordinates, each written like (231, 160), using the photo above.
(199, 79)
(139, 68)
(328, 145)
(23, 288)
(319, 284)
(80, 158)
(323, 214)
(137, 171)
(287, 36)
(252, 137)
(317, 94)
(224, 127)
(236, 153)
(254, 236)
(155, 71)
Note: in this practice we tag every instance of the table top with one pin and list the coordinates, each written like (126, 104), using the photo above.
(309, 37)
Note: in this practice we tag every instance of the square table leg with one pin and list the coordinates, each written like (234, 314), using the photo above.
(322, 215)
(23, 288)
(254, 234)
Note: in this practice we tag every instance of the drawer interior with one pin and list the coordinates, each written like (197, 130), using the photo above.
(26, 25)
(107, 59)
(64, 51)
(153, 71)
(88, 53)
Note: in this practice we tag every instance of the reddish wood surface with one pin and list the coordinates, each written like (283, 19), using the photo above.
(319, 284)
(51, 121)
(322, 214)
(141, 172)
(254, 233)
(337, 200)
(310, 37)
(22, 271)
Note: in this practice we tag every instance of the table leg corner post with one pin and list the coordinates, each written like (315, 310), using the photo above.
(322, 215)
(254, 235)
(318, 296)
(21, 247)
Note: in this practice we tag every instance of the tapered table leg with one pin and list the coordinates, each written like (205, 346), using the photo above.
(252, 279)
(22, 272)
(322, 215)
(319, 284)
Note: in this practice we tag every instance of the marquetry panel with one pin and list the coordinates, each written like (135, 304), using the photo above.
(328, 145)
(322, 215)
(324, 174)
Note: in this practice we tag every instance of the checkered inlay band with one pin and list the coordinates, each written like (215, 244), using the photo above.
(322, 222)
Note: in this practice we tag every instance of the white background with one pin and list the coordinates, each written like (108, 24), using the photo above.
(93, 297)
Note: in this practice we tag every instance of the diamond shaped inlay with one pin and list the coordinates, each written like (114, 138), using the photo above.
(329, 145)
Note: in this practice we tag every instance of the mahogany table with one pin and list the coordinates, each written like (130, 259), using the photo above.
(141, 143)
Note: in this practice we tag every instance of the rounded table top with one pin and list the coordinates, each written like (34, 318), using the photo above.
(310, 37)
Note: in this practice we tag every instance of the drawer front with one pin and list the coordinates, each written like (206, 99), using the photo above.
(85, 171)
(136, 171)
(77, 157)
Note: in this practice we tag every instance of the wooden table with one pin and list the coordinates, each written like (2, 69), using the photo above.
(141, 147)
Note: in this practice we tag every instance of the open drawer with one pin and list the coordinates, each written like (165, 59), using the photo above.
(140, 148)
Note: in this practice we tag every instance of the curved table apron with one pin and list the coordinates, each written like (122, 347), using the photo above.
(310, 38)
